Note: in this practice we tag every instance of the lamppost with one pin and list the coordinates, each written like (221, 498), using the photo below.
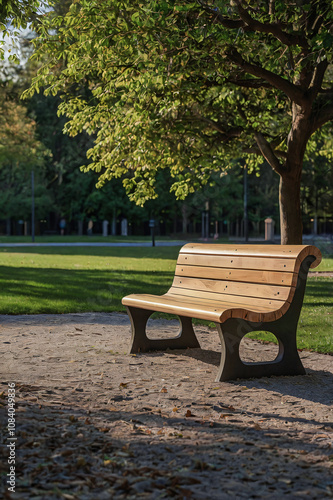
(152, 231)
(246, 220)
(33, 206)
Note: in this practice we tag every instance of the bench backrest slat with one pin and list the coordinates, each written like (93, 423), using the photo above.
(233, 287)
(248, 272)
(213, 297)
(231, 274)
(236, 262)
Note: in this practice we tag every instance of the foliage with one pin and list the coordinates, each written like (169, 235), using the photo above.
(16, 15)
(317, 190)
(172, 83)
(20, 153)
(68, 187)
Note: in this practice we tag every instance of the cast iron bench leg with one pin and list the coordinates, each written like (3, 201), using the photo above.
(287, 361)
(141, 343)
(231, 367)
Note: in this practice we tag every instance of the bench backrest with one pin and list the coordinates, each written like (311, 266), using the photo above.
(253, 274)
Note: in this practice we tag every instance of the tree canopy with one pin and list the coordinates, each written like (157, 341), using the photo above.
(20, 153)
(189, 85)
(16, 15)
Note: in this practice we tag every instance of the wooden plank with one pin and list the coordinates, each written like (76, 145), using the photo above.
(266, 307)
(247, 302)
(276, 251)
(248, 275)
(233, 288)
(180, 306)
(229, 262)
(187, 306)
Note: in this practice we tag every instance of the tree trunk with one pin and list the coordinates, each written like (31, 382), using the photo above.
(290, 210)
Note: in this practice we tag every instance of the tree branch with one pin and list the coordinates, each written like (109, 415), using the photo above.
(324, 116)
(227, 22)
(268, 153)
(318, 77)
(273, 29)
(246, 22)
(250, 83)
(226, 134)
(326, 91)
(292, 91)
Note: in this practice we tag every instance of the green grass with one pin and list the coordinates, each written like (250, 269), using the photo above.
(63, 280)
(79, 239)
(86, 279)
(315, 326)
(325, 265)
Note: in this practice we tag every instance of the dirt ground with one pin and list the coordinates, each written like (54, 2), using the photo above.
(93, 422)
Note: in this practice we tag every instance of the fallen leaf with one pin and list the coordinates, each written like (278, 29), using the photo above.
(320, 436)
(80, 461)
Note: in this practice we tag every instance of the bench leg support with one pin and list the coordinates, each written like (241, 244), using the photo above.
(141, 343)
(287, 361)
(231, 367)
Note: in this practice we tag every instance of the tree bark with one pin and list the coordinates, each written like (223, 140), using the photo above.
(290, 176)
(290, 210)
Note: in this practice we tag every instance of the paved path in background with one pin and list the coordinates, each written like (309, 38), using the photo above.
(98, 244)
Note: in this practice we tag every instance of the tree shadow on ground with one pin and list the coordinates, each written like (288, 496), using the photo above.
(137, 252)
(69, 451)
(52, 290)
(315, 386)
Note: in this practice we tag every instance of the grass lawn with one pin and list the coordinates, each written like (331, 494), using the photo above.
(79, 239)
(85, 279)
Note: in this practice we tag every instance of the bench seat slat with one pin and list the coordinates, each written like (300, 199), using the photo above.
(250, 262)
(248, 304)
(251, 276)
(210, 310)
(234, 288)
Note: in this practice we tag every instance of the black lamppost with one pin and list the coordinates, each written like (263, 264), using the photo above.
(33, 206)
(152, 231)
(246, 219)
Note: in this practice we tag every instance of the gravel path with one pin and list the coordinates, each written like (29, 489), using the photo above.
(93, 422)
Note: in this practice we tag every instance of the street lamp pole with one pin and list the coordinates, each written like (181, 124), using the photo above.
(33, 206)
(246, 219)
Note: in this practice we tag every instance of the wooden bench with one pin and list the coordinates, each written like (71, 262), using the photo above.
(242, 288)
